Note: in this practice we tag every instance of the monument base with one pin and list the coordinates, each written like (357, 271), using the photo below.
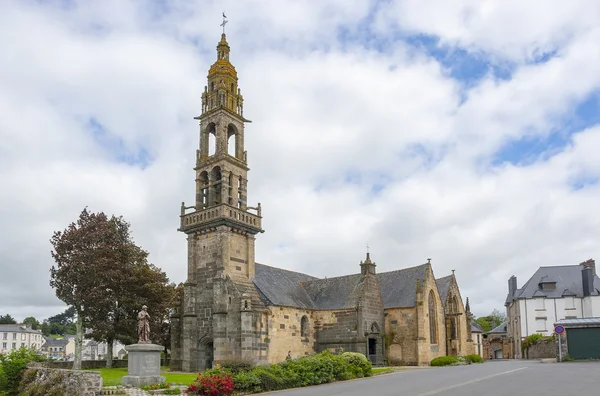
(137, 381)
(143, 365)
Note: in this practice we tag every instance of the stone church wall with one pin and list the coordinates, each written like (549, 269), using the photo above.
(459, 346)
(400, 334)
(284, 334)
(371, 319)
(338, 329)
(428, 349)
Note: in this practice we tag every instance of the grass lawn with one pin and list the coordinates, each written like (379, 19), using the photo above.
(381, 370)
(112, 376)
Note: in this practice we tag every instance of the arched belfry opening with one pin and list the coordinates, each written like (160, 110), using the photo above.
(232, 140)
(212, 139)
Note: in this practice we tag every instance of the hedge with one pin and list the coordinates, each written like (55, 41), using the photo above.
(309, 370)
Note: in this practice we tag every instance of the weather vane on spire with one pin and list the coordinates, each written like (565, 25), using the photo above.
(367, 248)
(224, 22)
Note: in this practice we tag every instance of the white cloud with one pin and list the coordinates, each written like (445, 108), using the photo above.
(324, 112)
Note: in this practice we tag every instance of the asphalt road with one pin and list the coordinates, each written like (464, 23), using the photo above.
(495, 378)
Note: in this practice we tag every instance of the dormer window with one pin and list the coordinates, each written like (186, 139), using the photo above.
(547, 286)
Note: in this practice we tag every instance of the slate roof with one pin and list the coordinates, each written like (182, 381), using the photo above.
(501, 329)
(443, 285)
(282, 287)
(399, 288)
(54, 342)
(568, 280)
(476, 328)
(579, 321)
(335, 293)
(16, 328)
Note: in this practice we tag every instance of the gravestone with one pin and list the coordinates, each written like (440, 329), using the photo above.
(143, 362)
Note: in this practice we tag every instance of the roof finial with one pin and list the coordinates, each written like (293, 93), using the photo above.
(428, 261)
(224, 22)
(368, 258)
(453, 272)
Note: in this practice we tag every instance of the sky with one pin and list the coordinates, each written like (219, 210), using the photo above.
(465, 131)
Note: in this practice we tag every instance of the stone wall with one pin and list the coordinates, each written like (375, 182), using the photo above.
(542, 350)
(86, 364)
(401, 334)
(430, 349)
(337, 329)
(39, 380)
(459, 346)
(284, 333)
(371, 318)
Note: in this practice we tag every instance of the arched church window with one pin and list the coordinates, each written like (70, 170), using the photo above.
(304, 332)
(432, 319)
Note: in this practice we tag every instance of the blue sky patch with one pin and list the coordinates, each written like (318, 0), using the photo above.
(529, 149)
(116, 147)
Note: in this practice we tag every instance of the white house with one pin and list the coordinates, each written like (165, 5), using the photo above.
(551, 294)
(477, 336)
(98, 350)
(15, 336)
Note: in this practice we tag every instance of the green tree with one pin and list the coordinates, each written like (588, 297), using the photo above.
(87, 254)
(7, 319)
(33, 322)
(493, 320)
(139, 283)
(61, 324)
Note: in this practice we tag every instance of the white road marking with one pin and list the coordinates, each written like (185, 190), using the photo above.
(440, 390)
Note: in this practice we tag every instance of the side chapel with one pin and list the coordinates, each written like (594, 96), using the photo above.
(234, 307)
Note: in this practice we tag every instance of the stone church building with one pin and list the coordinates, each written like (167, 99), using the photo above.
(234, 307)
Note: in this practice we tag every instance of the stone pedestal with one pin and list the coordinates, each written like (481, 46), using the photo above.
(143, 366)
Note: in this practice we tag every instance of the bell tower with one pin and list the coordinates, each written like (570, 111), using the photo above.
(220, 227)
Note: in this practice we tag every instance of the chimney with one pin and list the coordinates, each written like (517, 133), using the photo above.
(590, 264)
(587, 277)
(512, 286)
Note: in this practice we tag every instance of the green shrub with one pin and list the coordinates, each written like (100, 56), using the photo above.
(359, 360)
(309, 370)
(238, 365)
(12, 367)
(444, 361)
(247, 382)
(531, 340)
(474, 358)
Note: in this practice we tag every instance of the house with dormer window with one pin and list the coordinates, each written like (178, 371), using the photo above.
(551, 294)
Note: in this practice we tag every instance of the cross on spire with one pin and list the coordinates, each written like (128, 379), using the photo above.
(367, 248)
(224, 22)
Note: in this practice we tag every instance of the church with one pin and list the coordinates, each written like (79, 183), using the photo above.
(236, 308)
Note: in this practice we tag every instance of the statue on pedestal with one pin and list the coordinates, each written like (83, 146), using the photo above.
(143, 326)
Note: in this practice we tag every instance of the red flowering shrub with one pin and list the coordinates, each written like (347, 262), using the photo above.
(211, 385)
